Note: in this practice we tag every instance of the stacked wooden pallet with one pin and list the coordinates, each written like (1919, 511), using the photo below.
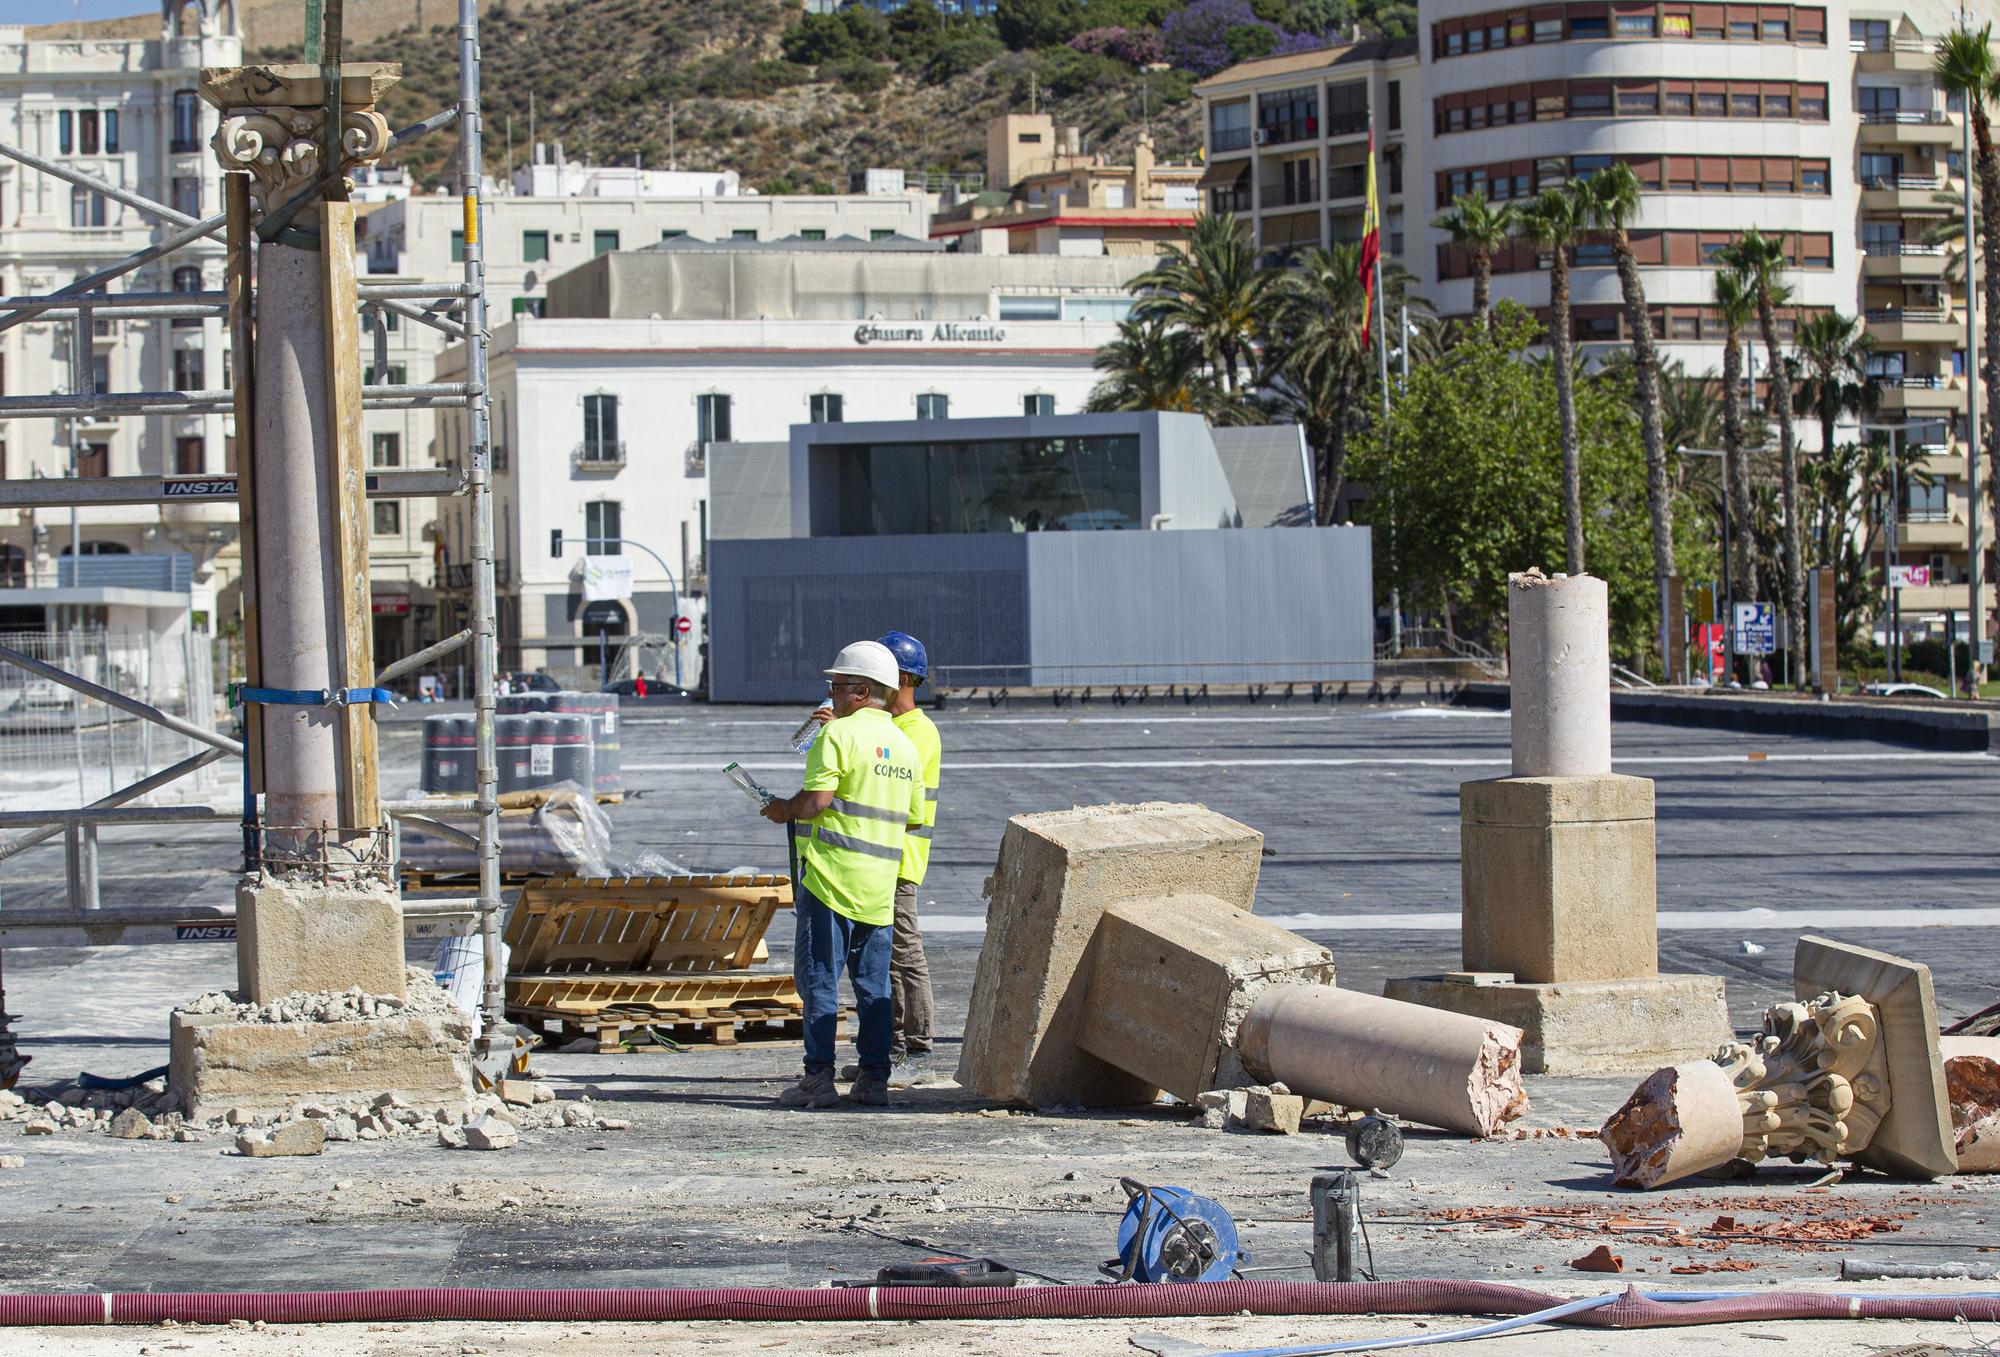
(639, 962)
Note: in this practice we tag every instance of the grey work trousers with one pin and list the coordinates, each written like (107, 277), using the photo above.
(909, 977)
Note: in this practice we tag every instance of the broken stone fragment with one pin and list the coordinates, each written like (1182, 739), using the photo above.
(341, 1128)
(12, 1161)
(1972, 1088)
(491, 1132)
(40, 1126)
(612, 1123)
(131, 1124)
(286, 1140)
(451, 1137)
(1599, 1259)
(519, 1092)
(1278, 1112)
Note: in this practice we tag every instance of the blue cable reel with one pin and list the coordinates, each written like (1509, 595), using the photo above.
(1169, 1234)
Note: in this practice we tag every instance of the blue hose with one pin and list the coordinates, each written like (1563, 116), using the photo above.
(1548, 1316)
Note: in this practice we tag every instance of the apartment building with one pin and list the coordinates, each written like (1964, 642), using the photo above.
(127, 111)
(561, 214)
(1818, 124)
(1287, 145)
(607, 409)
(1052, 196)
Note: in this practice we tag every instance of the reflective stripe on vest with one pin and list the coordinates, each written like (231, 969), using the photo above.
(835, 839)
(857, 841)
(916, 832)
(882, 813)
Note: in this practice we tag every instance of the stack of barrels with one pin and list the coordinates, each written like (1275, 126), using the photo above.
(539, 739)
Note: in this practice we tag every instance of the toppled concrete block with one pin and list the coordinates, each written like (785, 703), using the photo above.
(1057, 873)
(490, 1132)
(519, 1092)
(1586, 1027)
(304, 937)
(1267, 1111)
(1357, 1050)
(1170, 980)
(286, 1140)
(131, 1124)
(40, 1126)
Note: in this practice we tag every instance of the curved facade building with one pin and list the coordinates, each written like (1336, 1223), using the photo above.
(1733, 116)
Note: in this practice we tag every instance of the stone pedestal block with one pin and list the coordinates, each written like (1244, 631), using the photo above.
(266, 1068)
(1557, 877)
(1171, 978)
(1057, 873)
(304, 938)
(1590, 1026)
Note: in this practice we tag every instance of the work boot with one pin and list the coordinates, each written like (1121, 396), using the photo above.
(870, 1090)
(812, 1091)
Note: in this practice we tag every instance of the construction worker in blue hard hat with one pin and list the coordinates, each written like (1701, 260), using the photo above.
(909, 969)
(862, 790)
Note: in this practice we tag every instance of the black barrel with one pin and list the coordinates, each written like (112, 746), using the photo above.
(511, 751)
(519, 704)
(602, 709)
(450, 758)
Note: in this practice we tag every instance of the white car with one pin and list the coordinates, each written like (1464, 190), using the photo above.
(1886, 689)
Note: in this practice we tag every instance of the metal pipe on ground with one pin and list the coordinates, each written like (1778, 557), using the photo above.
(1363, 1051)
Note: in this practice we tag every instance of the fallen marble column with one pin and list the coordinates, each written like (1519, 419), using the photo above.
(1972, 1090)
(1361, 1051)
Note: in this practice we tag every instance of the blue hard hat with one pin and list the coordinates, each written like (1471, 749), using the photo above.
(909, 653)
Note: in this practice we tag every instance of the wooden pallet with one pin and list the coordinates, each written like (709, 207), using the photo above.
(612, 957)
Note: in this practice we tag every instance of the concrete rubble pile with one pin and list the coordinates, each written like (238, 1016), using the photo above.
(1122, 959)
(1853, 1070)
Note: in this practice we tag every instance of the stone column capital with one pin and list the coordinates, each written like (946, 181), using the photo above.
(273, 116)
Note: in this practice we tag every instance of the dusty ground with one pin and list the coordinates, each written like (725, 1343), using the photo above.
(710, 1186)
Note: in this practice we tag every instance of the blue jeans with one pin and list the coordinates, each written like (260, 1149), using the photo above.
(829, 941)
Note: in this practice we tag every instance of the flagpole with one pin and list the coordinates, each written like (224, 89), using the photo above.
(1382, 351)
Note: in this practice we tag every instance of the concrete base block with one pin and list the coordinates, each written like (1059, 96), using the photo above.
(1171, 979)
(305, 937)
(1557, 878)
(1057, 874)
(268, 1068)
(1591, 1026)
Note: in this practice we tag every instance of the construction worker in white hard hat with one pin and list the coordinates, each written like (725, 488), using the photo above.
(863, 788)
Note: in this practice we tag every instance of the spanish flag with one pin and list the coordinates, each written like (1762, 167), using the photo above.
(1371, 245)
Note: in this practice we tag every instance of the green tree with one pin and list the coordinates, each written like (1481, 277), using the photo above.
(1736, 302)
(1317, 367)
(1554, 221)
(817, 38)
(1038, 23)
(1832, 354)
(1966, 66)
(1213, 289)
(1152, 366)
(1479, 228)
(1469, 460)
(1611, 200)
(1761, 261)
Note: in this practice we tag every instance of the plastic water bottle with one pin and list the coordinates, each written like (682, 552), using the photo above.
(808, 731)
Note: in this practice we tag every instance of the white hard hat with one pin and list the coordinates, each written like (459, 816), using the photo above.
(866, 659)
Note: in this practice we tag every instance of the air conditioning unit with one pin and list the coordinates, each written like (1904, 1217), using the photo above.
(1262, 135)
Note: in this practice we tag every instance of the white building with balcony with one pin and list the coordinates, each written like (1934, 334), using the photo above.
(126, 111)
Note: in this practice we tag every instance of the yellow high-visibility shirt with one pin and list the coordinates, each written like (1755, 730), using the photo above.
(877, 783)
(923, 733)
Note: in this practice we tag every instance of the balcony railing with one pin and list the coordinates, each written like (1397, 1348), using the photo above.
(1907, 315)
(1910, 182)
(1887, 44)
(1890, 249)
(184, 146)
(1346, 186)
(598, 454)
(1906, 117)
(1288, 195)
(1910, 381)
(1229, 139)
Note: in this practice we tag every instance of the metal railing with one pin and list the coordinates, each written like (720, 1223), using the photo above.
(1888, 44)
(1288, 195)
(1931, 182)
(1911, 381)
(593, 454)
(1907, 315)
(1903, 117)
(1894, 248)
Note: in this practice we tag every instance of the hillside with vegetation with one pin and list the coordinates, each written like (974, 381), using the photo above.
(796, 102)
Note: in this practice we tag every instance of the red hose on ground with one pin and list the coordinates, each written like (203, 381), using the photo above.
(1631, 1311)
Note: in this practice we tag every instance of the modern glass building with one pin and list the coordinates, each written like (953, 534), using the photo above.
(1072, 551)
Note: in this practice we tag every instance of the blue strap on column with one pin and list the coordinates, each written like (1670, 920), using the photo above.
(313, 697)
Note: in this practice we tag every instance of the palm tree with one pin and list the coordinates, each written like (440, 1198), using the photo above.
(1965, 65)
(1553, 221)
(1318, 368)
(1150, 367)
(1833, 360)
(1213, 290)
(1736, 302)
(1761, 261)
(1479, 228)
(1611, 199)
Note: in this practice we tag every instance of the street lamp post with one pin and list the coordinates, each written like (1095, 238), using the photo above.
(1728, 583)
(1892, 600)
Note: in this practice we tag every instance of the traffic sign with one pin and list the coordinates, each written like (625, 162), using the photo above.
(1909, 576)
(683, 625)
(1756, 629)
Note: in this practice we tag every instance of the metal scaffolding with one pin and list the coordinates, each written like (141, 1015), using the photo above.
(456, 309)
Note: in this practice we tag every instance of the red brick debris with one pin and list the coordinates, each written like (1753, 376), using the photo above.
(1599, 1259)
(1804, 1226)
